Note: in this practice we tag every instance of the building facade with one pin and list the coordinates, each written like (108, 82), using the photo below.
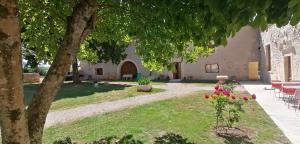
(239, 59)
(280, 53)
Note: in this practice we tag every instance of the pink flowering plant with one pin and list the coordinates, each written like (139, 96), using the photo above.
(227, 106)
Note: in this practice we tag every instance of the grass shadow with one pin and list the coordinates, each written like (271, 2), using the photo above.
(70, 90)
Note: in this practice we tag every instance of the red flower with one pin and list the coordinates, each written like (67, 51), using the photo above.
(217, 87)
(254, 96)
(226, 92)
(245, 98)
(217, 92)
(221, 90)
(233, 97)
(206, 96)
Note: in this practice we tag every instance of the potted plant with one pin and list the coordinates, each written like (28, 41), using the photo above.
(144, 85)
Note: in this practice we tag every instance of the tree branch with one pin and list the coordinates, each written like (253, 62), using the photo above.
(79, 26)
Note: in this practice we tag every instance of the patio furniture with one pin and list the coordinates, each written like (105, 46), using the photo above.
(297, 87)
(276, 86)
(297, 96)
(138, 76)
(297, 83)
(127, 77)
(288, 91)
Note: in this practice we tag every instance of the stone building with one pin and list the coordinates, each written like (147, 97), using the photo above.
(280, 53)
(239, 60)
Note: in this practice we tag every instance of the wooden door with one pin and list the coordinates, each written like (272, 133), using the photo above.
(129, 68)
(253, 71)
(176, 73)
(287, 68)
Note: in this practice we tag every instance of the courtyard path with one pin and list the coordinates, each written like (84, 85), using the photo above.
(286, 119)
(172, 90)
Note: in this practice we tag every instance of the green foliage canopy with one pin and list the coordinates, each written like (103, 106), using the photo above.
(97, 52)
(161, 29)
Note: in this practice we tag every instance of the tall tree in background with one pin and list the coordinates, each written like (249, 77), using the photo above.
(162, 30)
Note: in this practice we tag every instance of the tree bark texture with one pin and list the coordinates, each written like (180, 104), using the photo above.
(13, 121)
(80, 24)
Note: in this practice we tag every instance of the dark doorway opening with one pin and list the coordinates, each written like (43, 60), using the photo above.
(177, 72)
(288, 68)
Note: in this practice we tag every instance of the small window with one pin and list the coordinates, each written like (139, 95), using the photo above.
(99, 71)
(212, 68)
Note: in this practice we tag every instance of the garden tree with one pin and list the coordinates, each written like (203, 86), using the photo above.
(19, 125)
(46, 34)
(161, 29)
(32, 53)
(12, 116)
(32, 60)
(106, 51)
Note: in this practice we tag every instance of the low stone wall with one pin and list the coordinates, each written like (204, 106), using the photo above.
(31, 77)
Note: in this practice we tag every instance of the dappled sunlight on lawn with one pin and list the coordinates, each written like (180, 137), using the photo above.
(73, 95)
(191, 117)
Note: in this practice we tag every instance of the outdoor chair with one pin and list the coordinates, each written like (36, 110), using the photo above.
(276, 87)
(288, 91)
(297, 101)
(288, 95)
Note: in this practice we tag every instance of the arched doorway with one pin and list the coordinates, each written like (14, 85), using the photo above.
(129, 68)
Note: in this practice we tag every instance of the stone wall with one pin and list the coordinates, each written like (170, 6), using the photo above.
(232, 59)
(112, 71)
(284, 41)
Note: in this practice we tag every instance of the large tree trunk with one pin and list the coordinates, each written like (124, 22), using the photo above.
(80, 24)
(76, 78)
(13, 121)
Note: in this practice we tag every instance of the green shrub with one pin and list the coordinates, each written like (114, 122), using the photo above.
(66, 140)
(127, 139)
(28, 70)
(171, 138)
(144, 81)
(230, 85)
(43, 71)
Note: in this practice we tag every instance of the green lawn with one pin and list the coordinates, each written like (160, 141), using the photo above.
(71, 95)
(190, 116)
(153, 82)
(203, 83)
